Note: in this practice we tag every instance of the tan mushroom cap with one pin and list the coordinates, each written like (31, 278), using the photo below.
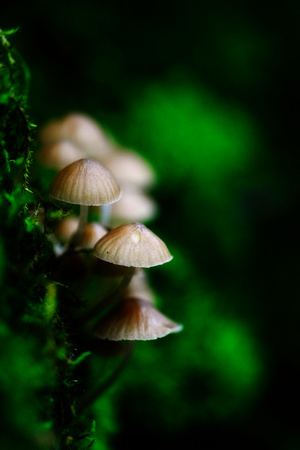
(59, 154)
(135, 319)
(80, 129)
(65, 228)
(132, 245)
(135, 205)
(130, 168)
(85, 182)
(93, 231)
(139, 287)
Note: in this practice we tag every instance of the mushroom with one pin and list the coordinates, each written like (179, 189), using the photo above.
(93, 231)
(80, 129)
(65, 229)
(135, 319)
(139, 287)
(132, 245)
(57, 155)
(85, 182)
(129, 168)
(135, 205)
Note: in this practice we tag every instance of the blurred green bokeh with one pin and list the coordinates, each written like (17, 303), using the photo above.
(207, 94)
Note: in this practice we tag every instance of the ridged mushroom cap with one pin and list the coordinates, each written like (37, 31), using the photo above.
(135, 319)
(132, 245)
(85, 182)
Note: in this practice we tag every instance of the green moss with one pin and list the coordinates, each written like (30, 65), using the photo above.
(36, 392)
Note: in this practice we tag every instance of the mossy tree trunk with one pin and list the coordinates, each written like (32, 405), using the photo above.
(42, 372)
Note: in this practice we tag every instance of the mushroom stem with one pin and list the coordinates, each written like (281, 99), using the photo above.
(115, 295)
(93, 313)
(105, 214)
(81, 224)
(125, 281)
(88, 398)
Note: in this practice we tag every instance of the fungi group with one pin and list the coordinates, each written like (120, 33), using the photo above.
(109, 253)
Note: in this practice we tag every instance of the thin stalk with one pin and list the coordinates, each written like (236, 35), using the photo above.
(81, 224)
(95, 310)
(90, 397)
(105, 214)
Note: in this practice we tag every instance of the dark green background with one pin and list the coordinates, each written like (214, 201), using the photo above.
(208, 92)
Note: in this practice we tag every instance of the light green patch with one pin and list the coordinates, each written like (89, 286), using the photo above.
(80, 358)
(2, 261)
(193, 132)
(233, 355)
(106, 422)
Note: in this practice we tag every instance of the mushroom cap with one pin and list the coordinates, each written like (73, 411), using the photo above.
(65, 228)
(135, 205)
(132, 245)
(135, 319)
(93, 231)
(139, 287)
(80, 129)
(57, 155)
(129, 168)
(85, 182)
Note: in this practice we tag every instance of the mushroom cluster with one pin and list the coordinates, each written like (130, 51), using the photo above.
(103, 246)
(77, 136)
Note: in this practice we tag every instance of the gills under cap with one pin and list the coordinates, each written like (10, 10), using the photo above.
(135, 319)
(132, 245)
(85, 182)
